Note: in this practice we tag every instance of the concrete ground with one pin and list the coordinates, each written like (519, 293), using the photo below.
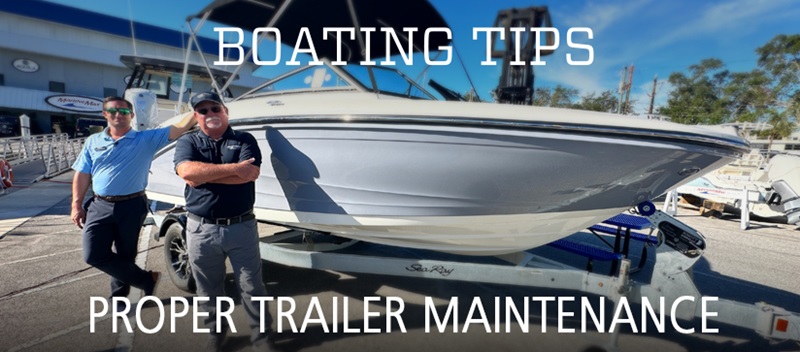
(45, 290)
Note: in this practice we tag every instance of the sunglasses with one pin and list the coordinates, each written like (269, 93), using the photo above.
(123, 111)
(214, 109)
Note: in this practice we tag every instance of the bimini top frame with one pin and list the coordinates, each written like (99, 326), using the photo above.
(291, 16)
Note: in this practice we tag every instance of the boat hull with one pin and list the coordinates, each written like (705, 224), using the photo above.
(464, 189)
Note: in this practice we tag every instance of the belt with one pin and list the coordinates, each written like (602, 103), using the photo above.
(223, 221)
(114, 199)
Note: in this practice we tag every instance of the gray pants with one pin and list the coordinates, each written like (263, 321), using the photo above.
(209, 245)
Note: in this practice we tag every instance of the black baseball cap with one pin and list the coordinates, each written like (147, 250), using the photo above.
(206, 96)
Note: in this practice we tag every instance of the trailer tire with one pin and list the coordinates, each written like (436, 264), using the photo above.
(176, 257)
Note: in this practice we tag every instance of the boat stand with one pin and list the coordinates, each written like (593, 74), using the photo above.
(743, 197)
(679, 248)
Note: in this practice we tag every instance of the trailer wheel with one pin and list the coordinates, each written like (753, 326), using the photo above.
(176, 256)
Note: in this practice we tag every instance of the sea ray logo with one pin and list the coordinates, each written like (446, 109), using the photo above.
(100, 149)
(440, 269)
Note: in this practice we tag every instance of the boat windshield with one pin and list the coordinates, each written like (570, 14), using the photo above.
(390, 81)
(351, 77)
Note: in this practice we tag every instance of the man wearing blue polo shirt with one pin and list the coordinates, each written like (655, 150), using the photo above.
(116, 163)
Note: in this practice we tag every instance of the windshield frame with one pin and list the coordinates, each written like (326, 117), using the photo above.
(354, 84)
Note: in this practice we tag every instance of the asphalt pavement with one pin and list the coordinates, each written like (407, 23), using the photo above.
(46, 290)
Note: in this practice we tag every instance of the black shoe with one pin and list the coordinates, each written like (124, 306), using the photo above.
(120, 305)
(151, 291)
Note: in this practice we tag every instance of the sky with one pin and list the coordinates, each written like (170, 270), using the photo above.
(656, 37)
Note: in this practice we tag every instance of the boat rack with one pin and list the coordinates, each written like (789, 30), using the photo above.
(744, 197)
(677, 248)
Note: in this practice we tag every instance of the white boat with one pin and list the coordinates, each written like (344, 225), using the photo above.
(725, 187)
(771, 181)
(392, 166)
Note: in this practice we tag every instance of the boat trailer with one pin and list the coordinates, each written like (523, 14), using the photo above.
(677, 248)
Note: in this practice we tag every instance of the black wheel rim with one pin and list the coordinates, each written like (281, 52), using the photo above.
(179, 258)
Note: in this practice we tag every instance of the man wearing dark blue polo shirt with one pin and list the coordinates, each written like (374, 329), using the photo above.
(220, 167)
(116, 163)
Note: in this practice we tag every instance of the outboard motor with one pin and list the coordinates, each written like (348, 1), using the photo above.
(145, 108)
(784, 173)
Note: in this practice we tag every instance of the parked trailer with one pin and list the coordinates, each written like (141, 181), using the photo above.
(677, 248)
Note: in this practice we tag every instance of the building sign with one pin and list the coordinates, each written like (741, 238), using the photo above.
(175, 84)
(176, 88)
(75, 103)
(26, 65)
(127, 79)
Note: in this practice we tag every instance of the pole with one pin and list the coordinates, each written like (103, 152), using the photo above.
(652, 95)
(622, 79)
(628, 91)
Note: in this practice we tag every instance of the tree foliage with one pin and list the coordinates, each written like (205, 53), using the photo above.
(698, 96)
(562, 97)
(710, 94)
(558, 97)
(605, 102)
(780, 59)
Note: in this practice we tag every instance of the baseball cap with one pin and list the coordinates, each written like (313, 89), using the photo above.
(206, 96)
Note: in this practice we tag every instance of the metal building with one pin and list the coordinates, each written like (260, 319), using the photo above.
(57, 63)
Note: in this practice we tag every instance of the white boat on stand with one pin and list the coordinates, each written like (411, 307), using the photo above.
(761, 184)
(366, 154)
